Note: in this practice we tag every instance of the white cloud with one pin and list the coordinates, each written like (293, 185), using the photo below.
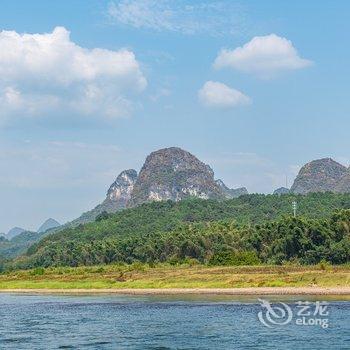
(42, 73)
(215, 94)
(209, 17)
(263, 55)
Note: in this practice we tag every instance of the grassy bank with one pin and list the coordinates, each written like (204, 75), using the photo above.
(165, 276)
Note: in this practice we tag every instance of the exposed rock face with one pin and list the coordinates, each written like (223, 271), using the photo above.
(281, 190)
(318, 176)
(172, 173)
(121, 189)
(231, 192)
(119, 193)
(118, 197)
(343, 186)
(48, 225)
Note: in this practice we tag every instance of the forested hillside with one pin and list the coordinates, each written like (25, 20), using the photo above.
(246, 230)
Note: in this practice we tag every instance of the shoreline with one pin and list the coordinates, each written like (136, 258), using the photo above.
(192, 291)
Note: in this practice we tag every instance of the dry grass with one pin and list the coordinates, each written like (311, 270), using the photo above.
(165, 276)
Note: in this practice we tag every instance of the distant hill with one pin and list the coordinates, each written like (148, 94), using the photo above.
(281, 190)
(320, 175)
(167, 174)
(174, 174)
(48, 225)
(14, 232)
(20, 240)
(231, 192)
(10, 248)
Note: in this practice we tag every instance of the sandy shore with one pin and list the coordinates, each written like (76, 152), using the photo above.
(198, 291)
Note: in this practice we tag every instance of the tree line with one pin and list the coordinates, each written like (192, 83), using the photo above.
(154, 236)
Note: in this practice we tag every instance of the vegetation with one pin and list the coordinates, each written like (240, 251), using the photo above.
(185, 276)
(250, 230)
(18, 244)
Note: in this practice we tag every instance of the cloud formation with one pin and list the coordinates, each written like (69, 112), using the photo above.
(215, 94)
(210, 17)
(264, 56)
(42, 73)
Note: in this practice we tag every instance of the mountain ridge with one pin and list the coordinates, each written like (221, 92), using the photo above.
(231, 192)
(15, 231)
(174, 174)
(48, 225)
(167, 174)
(319, 175)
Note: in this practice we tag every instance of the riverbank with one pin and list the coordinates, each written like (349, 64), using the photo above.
(165, 277)
(191, 291)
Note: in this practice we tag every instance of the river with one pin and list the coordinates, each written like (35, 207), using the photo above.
(167, 322)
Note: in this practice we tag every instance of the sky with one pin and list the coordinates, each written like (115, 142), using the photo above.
(89, 88)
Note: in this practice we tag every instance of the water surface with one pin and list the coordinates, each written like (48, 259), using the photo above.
(160, 322)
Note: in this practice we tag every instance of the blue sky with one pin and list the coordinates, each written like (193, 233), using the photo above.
(253, 88)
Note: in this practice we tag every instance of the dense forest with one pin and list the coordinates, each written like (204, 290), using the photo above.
(251, 229)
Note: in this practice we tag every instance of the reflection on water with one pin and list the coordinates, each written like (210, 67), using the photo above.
(160, 322)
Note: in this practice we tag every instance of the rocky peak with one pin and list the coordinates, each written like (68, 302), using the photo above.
(167, 174)
(318, 176)
(121, 188)
(48, 224)
(118, 197)
(221, 184)
(237, 192)
(281, 190)
(174, 174)
(14, 232)
(231, 192)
